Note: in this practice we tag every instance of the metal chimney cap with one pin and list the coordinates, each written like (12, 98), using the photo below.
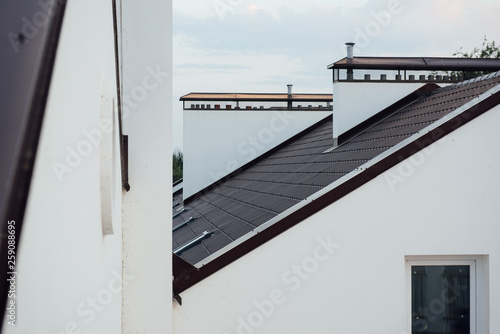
(350, 48)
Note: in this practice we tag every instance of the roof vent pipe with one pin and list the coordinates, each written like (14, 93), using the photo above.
(289, 104)
(350, 50)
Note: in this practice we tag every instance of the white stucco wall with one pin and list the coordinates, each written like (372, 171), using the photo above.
(147, 210)
(444, 203)
(71, 275)
(354, 102)
(217, 143)
(68, 272)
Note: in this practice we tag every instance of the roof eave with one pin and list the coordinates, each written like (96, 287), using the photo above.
(264, 97)
(419, 63)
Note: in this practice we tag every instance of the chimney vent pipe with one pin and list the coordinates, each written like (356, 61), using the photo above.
(289, 89)
(289, 103)
(350, 50)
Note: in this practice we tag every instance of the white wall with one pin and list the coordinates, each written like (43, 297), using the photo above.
(217, 143)
(69, 273)
(78, 222)
(147, 210)
(444, 203)
(354, 102)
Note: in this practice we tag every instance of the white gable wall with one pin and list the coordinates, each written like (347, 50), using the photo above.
(147, 210)
(217, 143)
(354, 102)
(68, 272)
(70, 275)
(446, 203)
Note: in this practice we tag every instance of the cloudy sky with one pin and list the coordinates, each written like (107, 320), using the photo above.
(262, 45)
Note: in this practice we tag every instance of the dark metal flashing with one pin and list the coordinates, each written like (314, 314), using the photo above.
(124, 159)
(387, 112)
(123, 138)
(33, 64)
(256, 160)
(418, 63)
(178, 299)
(182, 272)
(181, 268)
(186, 276)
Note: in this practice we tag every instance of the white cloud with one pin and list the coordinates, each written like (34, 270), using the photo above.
(261, 45)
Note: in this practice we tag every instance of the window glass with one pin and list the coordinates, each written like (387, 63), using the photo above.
(440, 298)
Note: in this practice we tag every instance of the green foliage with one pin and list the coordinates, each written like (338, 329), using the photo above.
(177, 160)
(488, 50)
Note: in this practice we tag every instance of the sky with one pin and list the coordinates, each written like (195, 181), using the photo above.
(260, 46)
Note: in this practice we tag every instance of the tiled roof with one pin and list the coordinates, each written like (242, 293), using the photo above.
(303, 166)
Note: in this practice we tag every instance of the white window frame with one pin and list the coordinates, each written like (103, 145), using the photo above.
(479, 317)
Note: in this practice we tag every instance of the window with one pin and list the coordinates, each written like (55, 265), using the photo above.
(444, 293)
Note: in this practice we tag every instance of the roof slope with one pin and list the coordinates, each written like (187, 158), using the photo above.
(308, 164)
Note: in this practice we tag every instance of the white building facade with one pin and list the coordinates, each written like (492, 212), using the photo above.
(93, 257)
(347, 268)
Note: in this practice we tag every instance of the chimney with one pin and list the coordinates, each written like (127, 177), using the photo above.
(289, 104)
(350, 50)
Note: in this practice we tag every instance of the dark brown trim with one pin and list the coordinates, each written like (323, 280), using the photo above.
(17, 196)
(182, 283)
(249, 97)
(123, 139)
(124, 161)
(418, 64)
(387, 112)
(255, 161)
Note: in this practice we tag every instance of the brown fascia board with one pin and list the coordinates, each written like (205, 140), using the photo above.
(181, 283)
(418, 63)
(254, 161)
(257, 97)
(387, 112)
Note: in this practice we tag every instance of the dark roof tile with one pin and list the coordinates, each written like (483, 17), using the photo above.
(300, 168)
